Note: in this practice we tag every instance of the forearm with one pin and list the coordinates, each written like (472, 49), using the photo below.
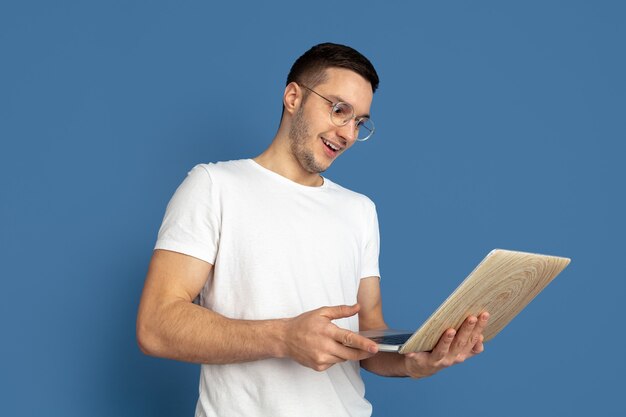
(184, 331)
(386, 364)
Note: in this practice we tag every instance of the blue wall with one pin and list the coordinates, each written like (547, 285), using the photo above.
(500, 124)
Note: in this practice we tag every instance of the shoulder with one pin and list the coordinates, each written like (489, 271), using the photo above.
(351, 196)
(212, 177)
(222, 167)
(221, 171)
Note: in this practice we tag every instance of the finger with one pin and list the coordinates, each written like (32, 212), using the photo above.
(483, 320)
(481, 325)
(478, 347)
(443, 346)
(354, 340)
(339, 312)
(325, 363)
(462, 339)
(350, 354)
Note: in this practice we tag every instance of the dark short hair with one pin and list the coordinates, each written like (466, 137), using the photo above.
(310, 68)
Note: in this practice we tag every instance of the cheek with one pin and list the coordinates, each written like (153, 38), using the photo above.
(327, 130)
(319, 126)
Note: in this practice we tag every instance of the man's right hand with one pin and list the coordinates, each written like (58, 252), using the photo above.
(314, 341)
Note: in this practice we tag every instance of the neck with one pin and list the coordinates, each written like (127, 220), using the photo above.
(279, 159)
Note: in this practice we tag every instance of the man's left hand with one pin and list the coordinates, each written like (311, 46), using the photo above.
(453, 347)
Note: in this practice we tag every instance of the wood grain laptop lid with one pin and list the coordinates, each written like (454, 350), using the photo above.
(502, 284)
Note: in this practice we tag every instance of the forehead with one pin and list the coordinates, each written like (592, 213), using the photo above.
(345, 85)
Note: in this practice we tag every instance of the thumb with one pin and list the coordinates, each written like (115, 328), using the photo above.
(339, 312)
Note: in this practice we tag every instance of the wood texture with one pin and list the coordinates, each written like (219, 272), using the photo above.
(502, 284)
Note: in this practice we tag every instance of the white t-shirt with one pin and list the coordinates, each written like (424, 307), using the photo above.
(279, 249)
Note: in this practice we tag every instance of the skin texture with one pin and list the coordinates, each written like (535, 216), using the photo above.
(298, 133)
(169, 324)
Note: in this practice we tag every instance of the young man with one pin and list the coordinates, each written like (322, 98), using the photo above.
(282, 260)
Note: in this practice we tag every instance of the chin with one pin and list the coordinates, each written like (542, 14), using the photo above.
(323, 164)
(317, 169)
(311, 163)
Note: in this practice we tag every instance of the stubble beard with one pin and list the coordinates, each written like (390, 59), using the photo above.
(298, 133)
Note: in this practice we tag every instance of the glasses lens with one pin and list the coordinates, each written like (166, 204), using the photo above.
(341, 113)
(365, 128)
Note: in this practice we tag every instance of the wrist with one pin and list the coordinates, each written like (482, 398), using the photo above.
(409, 365)
(278, 339)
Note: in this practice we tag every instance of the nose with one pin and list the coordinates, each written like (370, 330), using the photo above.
(348, 131)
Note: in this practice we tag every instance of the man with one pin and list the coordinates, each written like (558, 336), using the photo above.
(284, 263)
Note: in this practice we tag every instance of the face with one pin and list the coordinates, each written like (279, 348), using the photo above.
(315, 141)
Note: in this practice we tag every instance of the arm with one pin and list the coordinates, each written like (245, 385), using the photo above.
(452, 348)
(371, 318)
(169, 324)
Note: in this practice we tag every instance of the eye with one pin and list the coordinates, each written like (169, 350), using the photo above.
(342, 110)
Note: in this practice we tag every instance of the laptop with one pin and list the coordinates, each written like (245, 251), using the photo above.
(503, 284)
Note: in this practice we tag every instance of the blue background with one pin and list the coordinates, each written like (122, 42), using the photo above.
(500, 124)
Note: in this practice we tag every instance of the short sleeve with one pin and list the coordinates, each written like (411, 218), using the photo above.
(191, 223)
(371, 249)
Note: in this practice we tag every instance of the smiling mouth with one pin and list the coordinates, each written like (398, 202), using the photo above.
(331, 145)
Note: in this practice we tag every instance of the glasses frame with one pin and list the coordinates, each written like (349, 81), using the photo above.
(357, 119)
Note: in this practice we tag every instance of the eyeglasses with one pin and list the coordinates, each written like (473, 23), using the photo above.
(341, 113)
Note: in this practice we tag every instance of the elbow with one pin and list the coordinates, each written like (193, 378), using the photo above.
(147, 339)
(143, 341)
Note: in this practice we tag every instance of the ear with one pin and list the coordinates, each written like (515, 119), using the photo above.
(292, 98)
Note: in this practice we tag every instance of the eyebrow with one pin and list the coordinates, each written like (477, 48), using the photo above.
(337, 99)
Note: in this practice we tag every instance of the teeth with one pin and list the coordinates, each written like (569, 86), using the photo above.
(333, 147)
